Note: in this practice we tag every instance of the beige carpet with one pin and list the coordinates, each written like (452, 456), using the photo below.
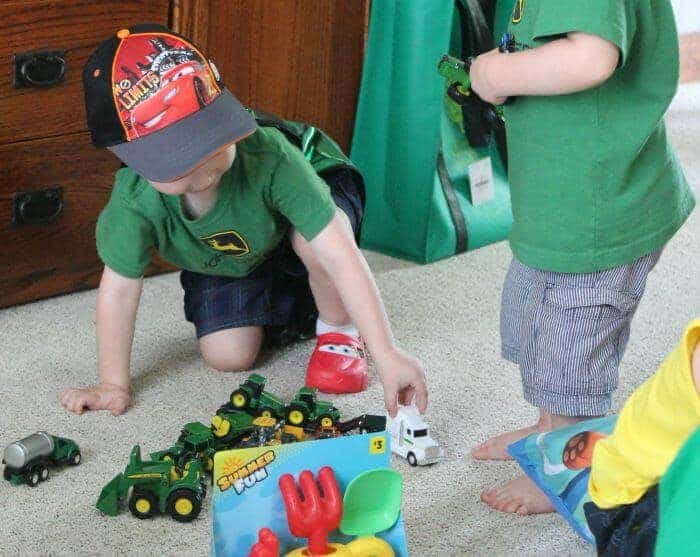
(446, 313)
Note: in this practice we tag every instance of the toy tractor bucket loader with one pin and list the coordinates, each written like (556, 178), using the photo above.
(108, 501)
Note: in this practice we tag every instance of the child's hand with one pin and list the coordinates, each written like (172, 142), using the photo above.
(403, 378)
(481, 77)
(103, 396)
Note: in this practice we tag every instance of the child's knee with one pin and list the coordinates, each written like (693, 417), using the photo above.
(232, 349)
(227, 361)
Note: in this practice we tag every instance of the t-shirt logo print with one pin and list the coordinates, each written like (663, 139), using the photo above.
(518, 11)
(229, 242)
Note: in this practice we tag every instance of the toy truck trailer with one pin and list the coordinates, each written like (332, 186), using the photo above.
(156, 486)
(28, 460)
(410, 437)
(366, 423)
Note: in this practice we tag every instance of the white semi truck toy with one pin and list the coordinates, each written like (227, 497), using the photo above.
(410, 437)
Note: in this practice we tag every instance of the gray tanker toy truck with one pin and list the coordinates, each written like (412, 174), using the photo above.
(28, 460)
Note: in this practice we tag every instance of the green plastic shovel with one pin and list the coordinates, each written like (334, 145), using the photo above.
(372, 503)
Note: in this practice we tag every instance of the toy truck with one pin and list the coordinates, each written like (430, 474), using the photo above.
(305, 411)
(252, 397)
(28, 460)
(410, 437)
(156, 486)
(196, 441)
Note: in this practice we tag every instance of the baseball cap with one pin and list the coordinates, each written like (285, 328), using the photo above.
(156, 102)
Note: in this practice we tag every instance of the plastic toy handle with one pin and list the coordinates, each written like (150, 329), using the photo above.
(376, 547)
(318, 513)
(267, 546)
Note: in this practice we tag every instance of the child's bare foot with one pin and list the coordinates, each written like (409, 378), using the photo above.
(496, 448)
(104, 396)
(520, 496)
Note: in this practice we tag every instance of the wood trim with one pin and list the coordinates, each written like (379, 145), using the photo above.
(190, 18)
(690, 57)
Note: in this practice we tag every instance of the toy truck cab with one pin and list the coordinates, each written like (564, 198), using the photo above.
(410, 437)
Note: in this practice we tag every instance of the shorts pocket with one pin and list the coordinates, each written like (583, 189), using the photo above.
(577, 340)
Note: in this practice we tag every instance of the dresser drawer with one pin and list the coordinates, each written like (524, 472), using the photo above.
(40, 260)
(75, 27)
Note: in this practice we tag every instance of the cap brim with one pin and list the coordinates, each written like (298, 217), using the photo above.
(174, 151)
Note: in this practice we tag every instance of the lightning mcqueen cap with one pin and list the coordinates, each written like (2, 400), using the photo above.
(155, 101)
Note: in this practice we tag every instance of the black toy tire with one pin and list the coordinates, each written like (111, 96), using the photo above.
(457, 96)
(43, 473)
(75, 458)
(267, 411)
(412, 460)
(295, 408)
(244, 394)
(142, 494)
(186, 494)
(33, 477)
(7, 474)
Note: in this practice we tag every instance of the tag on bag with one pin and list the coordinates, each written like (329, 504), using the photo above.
(481, 181)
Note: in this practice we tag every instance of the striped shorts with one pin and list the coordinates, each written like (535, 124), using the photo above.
(568, 332)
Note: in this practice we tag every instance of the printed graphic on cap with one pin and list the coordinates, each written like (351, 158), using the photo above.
(157, 80)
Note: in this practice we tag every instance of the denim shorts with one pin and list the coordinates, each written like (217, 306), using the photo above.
(568, 332)
(276, 295)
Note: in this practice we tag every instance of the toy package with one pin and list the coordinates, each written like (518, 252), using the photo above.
(327, 496)
(559, 462)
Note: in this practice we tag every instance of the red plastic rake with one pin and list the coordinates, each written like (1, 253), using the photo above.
(315, 512)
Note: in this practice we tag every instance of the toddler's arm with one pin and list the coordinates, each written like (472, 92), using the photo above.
(574, 63)
(117, 302)
(402, 375)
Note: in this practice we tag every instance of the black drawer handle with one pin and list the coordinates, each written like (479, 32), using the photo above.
(38, 207)
(39, 69)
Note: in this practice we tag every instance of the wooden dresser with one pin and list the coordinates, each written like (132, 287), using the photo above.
(300, 59)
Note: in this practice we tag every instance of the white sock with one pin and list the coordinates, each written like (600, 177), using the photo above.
(322, 328)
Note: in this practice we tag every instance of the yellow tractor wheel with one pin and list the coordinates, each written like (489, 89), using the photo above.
(142, 503)
(184, 505)
(295, 417)
(240, 399)
(220, 426)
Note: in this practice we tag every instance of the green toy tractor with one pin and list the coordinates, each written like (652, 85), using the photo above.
(156, 486)
(307, 412)
(252, 397)
(29, 460)
(196, 441)
(229, 426)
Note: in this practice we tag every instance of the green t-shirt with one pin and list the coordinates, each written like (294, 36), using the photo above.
(594, 181)
(269, 186)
